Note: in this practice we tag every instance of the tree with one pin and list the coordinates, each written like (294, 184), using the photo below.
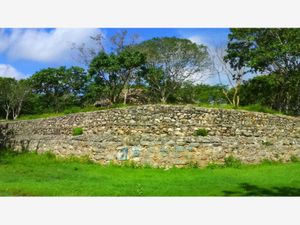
(270, 51)
(59, 87)
(198, 93)
(7, 86)
(233, 76)
(263, 89)
(170, 62)
(117, 42)
(84, 54)
(12, 96)
(115, 71)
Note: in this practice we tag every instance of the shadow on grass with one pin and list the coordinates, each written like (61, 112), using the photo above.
(253, 190)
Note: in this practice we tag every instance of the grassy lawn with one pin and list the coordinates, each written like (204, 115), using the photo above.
(29, 174)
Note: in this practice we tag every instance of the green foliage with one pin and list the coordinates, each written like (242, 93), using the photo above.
(73, 109)
(49, 155)
(76, 159)
(294, 159)
(259, 108)
(270, 92)
(260, 90)
(193, 164)
(213, 165)
(77, 131)
(198, 93)
(170, 62)
(60, 87)
(232, 162)
(116, 70)
(267, 143)
(275, 51)
(201, 132)
(13, 93)
(262, 48)
(131, 164)
(269, 162)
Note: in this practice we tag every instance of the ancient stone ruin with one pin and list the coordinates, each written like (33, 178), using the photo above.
(162, 135)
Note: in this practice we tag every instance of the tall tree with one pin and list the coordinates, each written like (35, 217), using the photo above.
(270, 51)
(59, 86)
(85, 54)
(233, 76)
(115, 71)
(12, 96)
(170, 62)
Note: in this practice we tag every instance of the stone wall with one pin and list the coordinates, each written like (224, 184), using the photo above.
(163, 135)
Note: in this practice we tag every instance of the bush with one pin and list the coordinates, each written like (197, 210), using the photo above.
(213, 165)
(267, 143)
(294, 158)
(77, 131)
(130, 164)
(269, 162)
(193, 164)
(201, 132)
(49, 155)
(232, 162)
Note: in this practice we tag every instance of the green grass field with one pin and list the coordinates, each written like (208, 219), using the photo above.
(30, 174)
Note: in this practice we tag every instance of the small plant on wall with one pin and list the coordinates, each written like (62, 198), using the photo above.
(77, 131)
(201, 132)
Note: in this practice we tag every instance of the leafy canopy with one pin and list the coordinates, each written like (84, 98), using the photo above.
(273, 50)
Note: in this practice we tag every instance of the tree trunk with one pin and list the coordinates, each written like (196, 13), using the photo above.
(7, 110)
(163, 100)
(125, 96)
(7, 114)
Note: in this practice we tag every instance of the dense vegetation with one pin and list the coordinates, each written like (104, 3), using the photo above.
(31, 174)
(166, 70)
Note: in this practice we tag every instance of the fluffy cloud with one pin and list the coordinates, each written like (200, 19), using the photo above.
(9, 71)
(196, 39)
(43, 45)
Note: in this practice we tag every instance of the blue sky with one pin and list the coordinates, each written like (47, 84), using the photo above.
(25, 51)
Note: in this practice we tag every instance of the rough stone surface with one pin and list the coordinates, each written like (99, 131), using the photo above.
(162, 135)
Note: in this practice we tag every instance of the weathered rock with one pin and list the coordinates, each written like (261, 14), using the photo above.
(160, 135)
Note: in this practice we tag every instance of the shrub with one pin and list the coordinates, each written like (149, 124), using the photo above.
(77, 131)
(269, 162)
(201, 132)
(232, 162)
(294, 158)
(49, 155)
(193, 164)
(130, 164)
(267, 143)
(213, 165)
(78, 159)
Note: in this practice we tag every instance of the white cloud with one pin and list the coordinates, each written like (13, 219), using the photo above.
(196, 39)
(199, 40)
(44, 45)
(7, 70)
